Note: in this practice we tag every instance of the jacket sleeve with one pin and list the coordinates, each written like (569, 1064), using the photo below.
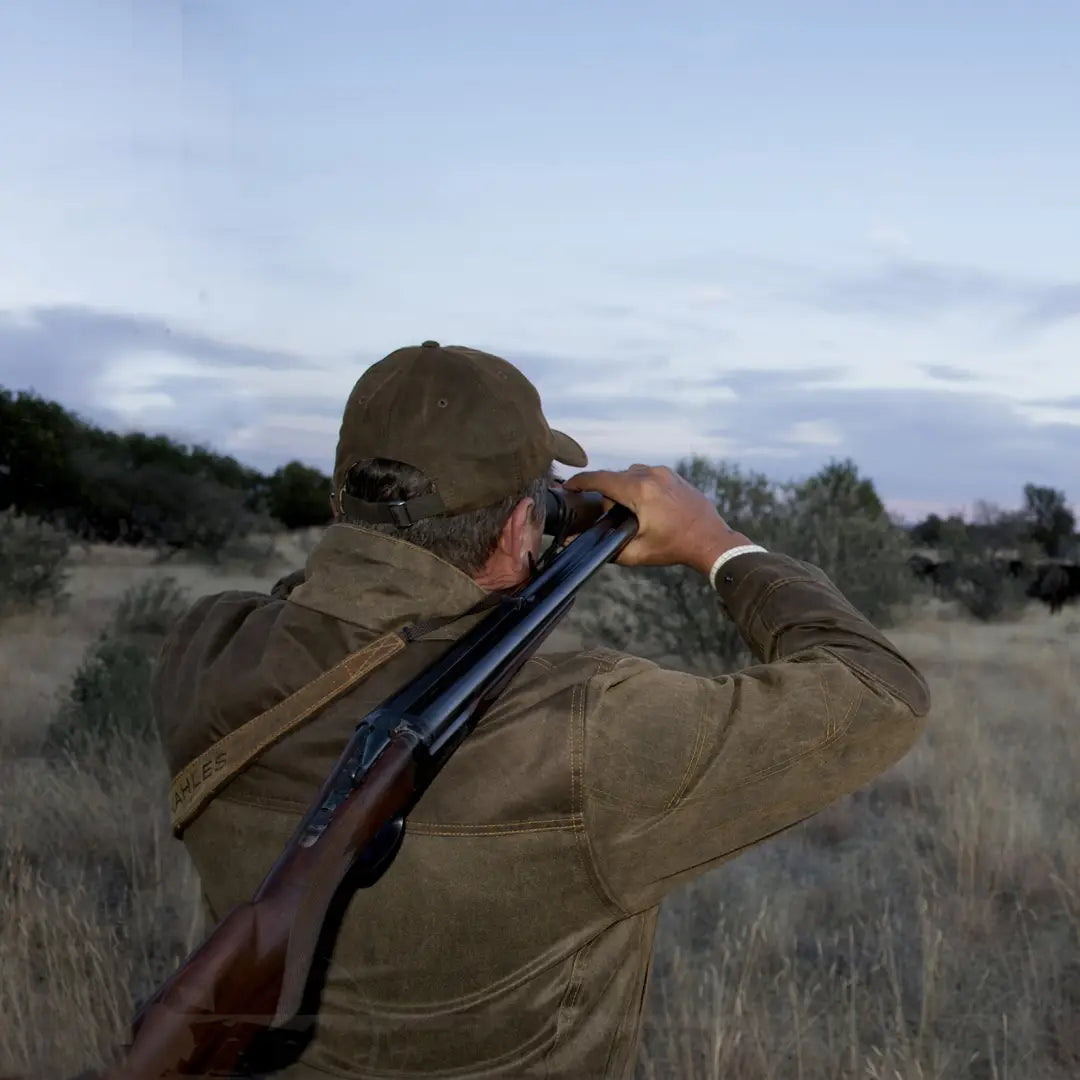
(680, 772)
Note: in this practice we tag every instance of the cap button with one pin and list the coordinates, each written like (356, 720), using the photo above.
(430, 345)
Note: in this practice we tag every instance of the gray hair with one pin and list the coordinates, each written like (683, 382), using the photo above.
(464, 540)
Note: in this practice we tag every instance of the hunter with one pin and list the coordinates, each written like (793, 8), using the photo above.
(512, 936)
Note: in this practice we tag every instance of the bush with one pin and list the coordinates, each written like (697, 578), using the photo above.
(984, 592)
(299, 496)
(153, 504)
(33, 557)
(109, 697)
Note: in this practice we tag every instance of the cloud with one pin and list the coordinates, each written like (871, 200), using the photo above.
(609, 311)
(948, 373)
(921, 447)
(543, 366)
(754, 381)
(126, 371)
(814, 433)
(893, 285)
(1055, 304)
(916, 444)
(888, 239)
(912, 289)
(58, 350)
(710, 296)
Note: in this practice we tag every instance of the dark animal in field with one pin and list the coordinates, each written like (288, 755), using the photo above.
(942, 574)
(922, 566)
(1055, 585)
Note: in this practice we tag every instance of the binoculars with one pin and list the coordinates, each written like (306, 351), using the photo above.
(571, 512)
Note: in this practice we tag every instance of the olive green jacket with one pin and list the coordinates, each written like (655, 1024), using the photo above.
(512, 936)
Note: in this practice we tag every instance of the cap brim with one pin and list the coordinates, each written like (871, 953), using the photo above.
(567, 451)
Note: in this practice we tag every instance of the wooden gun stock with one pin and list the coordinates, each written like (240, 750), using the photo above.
(249, 976)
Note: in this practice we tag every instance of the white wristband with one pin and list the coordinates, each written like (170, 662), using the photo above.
(745, 549)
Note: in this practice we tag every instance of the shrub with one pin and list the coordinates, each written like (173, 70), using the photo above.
(109, 698)
(299, 496)
(154, 504)
(984, 592)
(33, 557)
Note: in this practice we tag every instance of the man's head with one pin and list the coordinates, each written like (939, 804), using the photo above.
(448, 448)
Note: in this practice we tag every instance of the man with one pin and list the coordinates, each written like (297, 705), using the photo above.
(512, 936)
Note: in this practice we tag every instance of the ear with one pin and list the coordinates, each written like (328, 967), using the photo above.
(514, 539)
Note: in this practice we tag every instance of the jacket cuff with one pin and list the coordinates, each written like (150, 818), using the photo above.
(744, 549)
(755, 593)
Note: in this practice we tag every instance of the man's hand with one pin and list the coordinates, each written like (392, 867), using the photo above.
(677, 524)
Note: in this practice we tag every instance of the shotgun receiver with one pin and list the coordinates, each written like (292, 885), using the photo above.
(250, 975)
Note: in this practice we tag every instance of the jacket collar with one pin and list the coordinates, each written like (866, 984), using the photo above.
(382, 583)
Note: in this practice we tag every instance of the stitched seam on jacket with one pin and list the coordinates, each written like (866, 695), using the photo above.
(423, 828)
(467, 1002)
(749, 581)
(621, 1026)
(611, 799)
(525, 1054)
(699, 746)
(495, 830)
(560, 822)
(871, 675)
(573, 988)
(577, 787)
(768, 591)
(829, 723)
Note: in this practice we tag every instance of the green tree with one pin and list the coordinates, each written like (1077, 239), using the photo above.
(838, 484)
(299, 496)
(1050, 522)
(928, 531)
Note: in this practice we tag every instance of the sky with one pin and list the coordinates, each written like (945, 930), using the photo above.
(774, 233)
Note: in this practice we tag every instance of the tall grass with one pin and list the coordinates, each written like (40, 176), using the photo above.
(929, 926)
(926, 927)
(97, 904)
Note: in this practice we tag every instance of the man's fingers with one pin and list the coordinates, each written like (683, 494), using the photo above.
(586, 481)
(607, 483)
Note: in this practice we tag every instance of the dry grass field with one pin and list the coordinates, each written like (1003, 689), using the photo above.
(927, 927)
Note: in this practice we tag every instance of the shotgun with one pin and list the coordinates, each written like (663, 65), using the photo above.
(250, 975)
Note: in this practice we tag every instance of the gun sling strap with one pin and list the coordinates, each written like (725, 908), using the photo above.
(201, 779)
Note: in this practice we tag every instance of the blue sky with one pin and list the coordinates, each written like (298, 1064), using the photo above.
(775, 232)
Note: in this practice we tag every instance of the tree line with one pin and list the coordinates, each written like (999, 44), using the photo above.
(142, 489)
(150, 489)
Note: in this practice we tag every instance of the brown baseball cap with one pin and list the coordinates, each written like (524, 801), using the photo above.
(470, 421)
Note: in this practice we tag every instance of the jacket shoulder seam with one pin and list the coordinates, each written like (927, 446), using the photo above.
(699, 746)
(611, 799)
(577, 785)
